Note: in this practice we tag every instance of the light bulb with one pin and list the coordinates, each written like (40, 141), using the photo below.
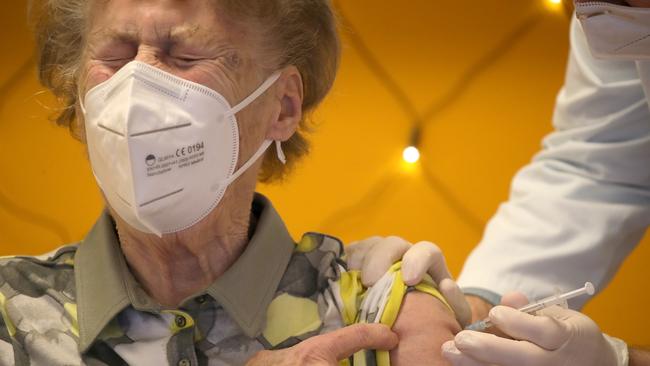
(554, 5)
(411, 155)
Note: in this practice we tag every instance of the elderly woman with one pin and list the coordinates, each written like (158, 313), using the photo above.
(178, 101)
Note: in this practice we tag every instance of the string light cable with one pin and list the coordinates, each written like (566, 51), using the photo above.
(419, 121)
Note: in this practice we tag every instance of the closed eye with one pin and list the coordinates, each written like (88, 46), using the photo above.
(116, 63)
(185, 62)
(124, 59)
(190, 59)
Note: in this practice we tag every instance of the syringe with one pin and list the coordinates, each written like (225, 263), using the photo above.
(588, 289)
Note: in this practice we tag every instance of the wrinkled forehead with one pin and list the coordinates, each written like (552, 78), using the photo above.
(167, 20)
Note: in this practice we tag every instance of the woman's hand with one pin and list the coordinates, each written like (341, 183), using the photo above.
(374, 256)
(328, 349)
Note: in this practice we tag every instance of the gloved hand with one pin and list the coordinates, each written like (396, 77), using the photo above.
(375, 255)
(555, 337)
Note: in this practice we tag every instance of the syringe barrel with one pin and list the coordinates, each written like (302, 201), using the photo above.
(541, 304)
(556, 299)
(531, 308)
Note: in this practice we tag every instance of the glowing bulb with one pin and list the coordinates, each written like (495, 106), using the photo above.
(554, 5)
(411, 155)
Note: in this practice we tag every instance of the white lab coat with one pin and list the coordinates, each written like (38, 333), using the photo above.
(583, 203)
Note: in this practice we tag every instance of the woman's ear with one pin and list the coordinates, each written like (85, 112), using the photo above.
(288, 105)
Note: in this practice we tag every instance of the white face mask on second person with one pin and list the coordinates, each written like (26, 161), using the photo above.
(618, 32)
(615, 31)
(164, 149)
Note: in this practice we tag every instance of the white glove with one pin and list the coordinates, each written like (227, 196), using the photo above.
(558, 337)
(374, 256)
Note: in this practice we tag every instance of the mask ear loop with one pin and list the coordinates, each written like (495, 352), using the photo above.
(81, 105)
(256, 94)
(226, 182)
(265, 145)
(251, 161)
(279, 152)
(250, 99)
(246, 102)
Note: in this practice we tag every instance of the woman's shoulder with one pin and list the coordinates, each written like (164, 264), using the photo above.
(21, 271)
(316, 260)
(29, 279)
(38, 301)
(57, 256)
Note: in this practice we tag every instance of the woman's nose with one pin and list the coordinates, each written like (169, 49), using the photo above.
(148, 54)
(153, 56)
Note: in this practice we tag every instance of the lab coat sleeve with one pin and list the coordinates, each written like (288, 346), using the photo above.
(583, 203)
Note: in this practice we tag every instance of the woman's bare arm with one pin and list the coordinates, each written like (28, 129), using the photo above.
(423, 325)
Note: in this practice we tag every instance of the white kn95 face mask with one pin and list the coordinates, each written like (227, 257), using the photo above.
(164, 149)
(618, 32)
(615, 31)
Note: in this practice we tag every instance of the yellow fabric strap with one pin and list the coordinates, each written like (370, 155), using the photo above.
(351, 290)
(11, 329)
(352, 294)
(394, 304)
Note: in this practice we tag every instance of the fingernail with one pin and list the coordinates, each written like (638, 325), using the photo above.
(408, 277)
(450, 348)
(465, 339)
(496, 314)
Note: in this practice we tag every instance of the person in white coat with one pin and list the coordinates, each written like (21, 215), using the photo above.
(579, 209)
(574, 213)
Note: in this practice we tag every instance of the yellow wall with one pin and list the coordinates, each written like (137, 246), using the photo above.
(353, 184)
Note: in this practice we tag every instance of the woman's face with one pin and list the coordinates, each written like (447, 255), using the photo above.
(191, 40)
(185, 38)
